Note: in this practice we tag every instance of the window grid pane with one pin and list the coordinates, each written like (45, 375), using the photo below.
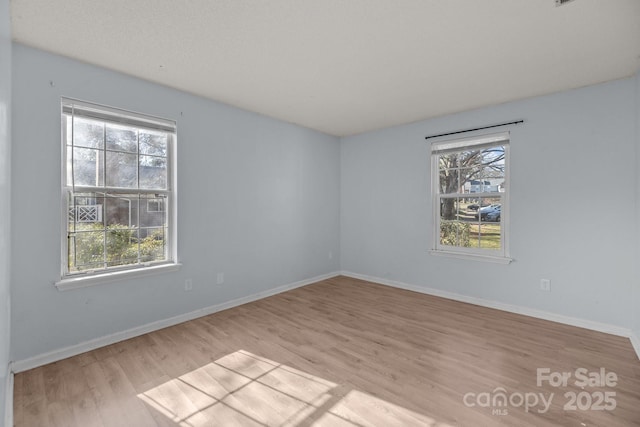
(133, 229)
(470, 194)
(118, 197)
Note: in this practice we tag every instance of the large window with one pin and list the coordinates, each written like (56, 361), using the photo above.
(470, 196)
(118, 185)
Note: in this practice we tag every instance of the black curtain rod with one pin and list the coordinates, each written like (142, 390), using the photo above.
(517, 122)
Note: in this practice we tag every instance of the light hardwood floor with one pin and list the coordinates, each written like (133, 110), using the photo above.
(341, 352)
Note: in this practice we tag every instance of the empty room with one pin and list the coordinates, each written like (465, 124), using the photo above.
(319, 213)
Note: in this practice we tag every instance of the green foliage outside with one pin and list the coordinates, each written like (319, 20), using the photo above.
(454, 233)
(122, 246)
(485, 235)
(470, 234)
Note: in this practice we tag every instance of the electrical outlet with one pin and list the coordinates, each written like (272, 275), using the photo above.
(330, 254)
(545, 285)
(220, 279)
(188, 284)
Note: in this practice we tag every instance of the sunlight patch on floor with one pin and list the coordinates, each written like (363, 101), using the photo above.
(247, 390)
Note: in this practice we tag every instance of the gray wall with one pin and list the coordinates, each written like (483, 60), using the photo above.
(5, 195)
(265, 202)
(573, 216)
(636, 283)
(258, 200)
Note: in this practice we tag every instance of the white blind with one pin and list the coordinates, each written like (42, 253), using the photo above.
(76, 108)
(470, 143)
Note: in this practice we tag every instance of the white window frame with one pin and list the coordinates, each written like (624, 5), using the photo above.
(469, 143)
(73, 279)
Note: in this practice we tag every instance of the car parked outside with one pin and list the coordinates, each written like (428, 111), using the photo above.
(494, 215)
(492, 210)
(475, 206)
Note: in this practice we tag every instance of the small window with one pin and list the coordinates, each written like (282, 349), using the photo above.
(155, 205)
(118, 179)
(470, 196)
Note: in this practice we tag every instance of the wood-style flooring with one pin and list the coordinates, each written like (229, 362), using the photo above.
(343, 352)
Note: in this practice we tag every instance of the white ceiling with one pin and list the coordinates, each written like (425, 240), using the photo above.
(345, 66)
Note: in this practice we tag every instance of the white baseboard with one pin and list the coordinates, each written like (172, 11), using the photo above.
(635, 342)
(8, 397)
(540, 314)
(63, 353)
(74, 350)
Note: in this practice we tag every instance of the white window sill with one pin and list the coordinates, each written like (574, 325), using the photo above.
(83, 281)
(470, 256)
